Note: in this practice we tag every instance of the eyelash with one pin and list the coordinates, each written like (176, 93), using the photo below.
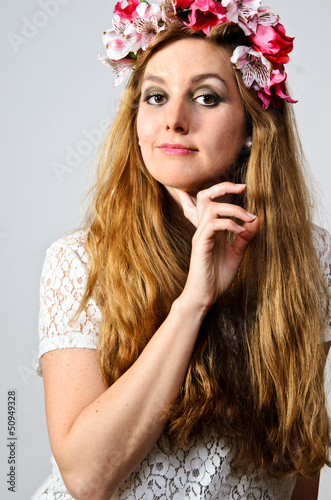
(216, 99)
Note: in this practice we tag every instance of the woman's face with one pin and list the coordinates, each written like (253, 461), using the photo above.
(191, 122)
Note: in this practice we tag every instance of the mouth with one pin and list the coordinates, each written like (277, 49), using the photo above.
(176, 149)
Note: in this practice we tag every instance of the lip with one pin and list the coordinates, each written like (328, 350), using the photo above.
(176, 149)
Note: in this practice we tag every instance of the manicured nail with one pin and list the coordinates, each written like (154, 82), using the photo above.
(242, 229)
(241, 185)
(251, 215)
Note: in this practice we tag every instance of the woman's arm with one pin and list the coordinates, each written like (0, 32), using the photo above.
(99, 435)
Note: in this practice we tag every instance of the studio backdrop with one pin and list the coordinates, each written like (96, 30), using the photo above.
(56, 101)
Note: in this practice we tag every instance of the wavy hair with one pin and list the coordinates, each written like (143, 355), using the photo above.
(256, 375)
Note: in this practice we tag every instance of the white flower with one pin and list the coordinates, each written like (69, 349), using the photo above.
(267, 18)
(147, 28)
(254, 66)
(120, 67)
(244, 13)
(114, 40)
(146, 11)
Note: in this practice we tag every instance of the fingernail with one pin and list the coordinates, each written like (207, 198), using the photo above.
(241, 185)
(251, 215)
(242, 229)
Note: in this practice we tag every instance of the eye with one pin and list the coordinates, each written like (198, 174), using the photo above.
(155, 99)
(207, 99)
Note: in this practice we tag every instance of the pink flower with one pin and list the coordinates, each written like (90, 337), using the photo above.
(267, 18)
(244, 13)
(132, 32)
(146, 30)
(183, 4)
(145, 10)
(133, 38)
(244, 6)
(129, 11)
(114, 39)
(273, 42)
(168, 13)
(275, 91)
(144, 27)
(254, 66)
(205, 14)
(120, 67)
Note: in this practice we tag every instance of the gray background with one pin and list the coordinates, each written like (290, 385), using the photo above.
(56, 98)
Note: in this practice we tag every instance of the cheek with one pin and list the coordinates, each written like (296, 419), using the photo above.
(226, 142)
(139, 125)
(146, 128)
(145, 138)
(235, 134)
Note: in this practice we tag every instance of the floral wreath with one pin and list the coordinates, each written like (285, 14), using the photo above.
(261, 64)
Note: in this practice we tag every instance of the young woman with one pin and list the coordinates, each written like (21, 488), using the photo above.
(183, 330)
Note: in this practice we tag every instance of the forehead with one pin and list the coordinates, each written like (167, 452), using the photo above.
(183, 59)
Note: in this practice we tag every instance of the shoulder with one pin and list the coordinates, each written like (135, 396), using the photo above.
(67, 255)
(62, 288)
(74, 244)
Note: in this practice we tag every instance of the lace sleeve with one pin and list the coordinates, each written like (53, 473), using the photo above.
(61, 289)
(322, 243)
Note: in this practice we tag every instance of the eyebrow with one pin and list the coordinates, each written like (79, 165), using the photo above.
(194, 79)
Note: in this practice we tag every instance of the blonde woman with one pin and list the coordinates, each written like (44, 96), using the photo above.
(183, 330)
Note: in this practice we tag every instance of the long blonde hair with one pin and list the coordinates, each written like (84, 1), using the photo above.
(256, 374)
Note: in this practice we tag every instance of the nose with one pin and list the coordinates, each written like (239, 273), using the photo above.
(177, 117)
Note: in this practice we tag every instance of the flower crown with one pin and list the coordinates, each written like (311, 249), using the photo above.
(261, 63)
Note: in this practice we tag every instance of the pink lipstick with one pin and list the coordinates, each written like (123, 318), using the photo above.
(176, 149)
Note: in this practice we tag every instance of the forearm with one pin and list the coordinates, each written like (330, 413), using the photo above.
(113, 434)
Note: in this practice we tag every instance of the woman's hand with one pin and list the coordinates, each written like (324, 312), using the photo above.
(214, 262)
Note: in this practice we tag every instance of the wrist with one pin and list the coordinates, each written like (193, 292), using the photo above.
(186, 307)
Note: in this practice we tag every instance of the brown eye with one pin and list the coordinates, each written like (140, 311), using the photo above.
(207, 99)
(155, 99)
(158, 99)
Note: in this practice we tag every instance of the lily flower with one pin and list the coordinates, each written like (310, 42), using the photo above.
(254, 66)
(121, 67)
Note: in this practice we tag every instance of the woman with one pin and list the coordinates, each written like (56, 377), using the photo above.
(181, 329)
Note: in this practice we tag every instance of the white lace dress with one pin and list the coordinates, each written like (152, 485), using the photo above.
(202, 471)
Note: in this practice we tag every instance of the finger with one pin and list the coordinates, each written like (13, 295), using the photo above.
(189, 208)
(217, 191)
(244, 238)
(213, 226)
(216, 210)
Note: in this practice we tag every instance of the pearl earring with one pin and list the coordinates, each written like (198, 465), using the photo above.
(248, 143)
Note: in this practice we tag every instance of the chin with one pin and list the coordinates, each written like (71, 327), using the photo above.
(186, 179)
(193, 186)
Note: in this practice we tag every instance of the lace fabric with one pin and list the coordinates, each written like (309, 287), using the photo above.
(202, 471)
(62, 287)
(322, 244)
(53, 487)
